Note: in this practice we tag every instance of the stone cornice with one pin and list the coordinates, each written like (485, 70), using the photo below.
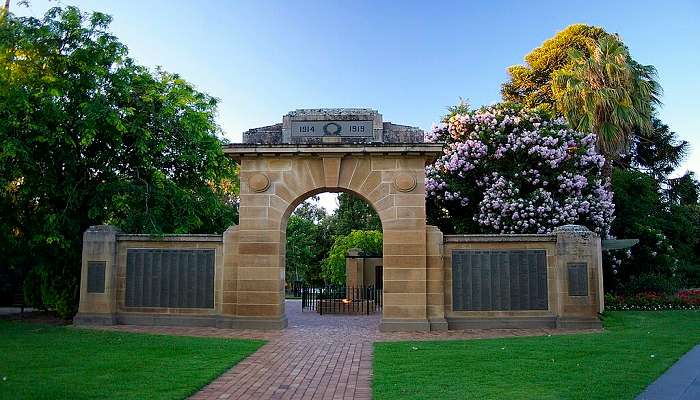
(130, 237)
(240, 150)
(502, 238)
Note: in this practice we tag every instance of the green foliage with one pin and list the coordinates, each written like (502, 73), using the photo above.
(530, 84)
(311, 235)
(684, 191)
(657, 152)
(303, 254)
(311, 210)
(354, 213)
(370, 242)
(56, 362)
(606, 92)
(668, 232)
(618, 363)
(89, 137)
(652, 283)
(308, 241)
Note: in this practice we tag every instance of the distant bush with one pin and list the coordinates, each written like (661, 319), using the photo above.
(370, 242)
(652, 283)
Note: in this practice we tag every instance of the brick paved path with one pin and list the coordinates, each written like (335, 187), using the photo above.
(316, 357)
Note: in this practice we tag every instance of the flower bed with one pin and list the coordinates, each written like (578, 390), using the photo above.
(683, 300)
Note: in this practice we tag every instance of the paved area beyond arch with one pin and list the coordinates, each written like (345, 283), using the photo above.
(316, 357)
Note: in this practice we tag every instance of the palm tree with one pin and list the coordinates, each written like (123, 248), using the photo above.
(609, 94)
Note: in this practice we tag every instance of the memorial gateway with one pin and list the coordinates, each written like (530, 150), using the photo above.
(431, 281)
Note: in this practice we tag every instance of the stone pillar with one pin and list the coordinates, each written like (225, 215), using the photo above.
(354, 269)
(403, 220)
(261, 245)
(579, 277)
(98, 277)
(226, 306)
(435, 279)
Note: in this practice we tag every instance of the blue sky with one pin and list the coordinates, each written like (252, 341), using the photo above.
(409, 60)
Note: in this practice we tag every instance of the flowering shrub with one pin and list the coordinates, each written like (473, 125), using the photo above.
(507, 169)
(649, 301)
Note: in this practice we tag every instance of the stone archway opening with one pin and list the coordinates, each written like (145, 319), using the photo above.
(333, 259)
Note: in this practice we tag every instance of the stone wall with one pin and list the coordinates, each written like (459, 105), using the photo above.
(418, 281)
(105, 244)
(567, 246)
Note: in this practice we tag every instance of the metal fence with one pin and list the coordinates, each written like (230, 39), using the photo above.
(293, 289)
(341, 300)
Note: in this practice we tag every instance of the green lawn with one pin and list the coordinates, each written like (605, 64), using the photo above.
(50, 362)
(619, 363)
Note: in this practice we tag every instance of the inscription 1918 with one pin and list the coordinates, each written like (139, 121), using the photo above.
(331, 128)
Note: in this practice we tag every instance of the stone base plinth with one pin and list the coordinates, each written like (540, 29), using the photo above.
(438, 325)
(87, 319)
(502, 322)
(146, 319)
(579, 323)
(404, 325)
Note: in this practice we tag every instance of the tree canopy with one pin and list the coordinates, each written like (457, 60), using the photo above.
(589, 76)
(354, 213)
(531, 84)
(90, 137)
(369, 241)
(606, 92)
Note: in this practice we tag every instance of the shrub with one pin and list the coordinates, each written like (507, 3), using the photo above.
(370, 242)
(507, 169)
(652, 283)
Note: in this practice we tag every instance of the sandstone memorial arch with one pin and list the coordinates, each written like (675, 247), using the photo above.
(431, 281)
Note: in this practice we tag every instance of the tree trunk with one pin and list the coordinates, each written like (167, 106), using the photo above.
(607, 168)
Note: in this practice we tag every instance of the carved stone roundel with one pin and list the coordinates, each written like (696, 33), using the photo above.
(259, 182)
(405, 182)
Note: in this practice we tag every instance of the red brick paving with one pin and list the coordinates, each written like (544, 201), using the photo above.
(316, 357)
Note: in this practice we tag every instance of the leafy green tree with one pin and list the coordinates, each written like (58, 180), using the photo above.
(302, 251)
(354, 213)
(606, 92)
(530, 84)
(657, 152)
(89, 137)
(684, 191)
(308, 241)
(311, 210)
(370, 242)
(668, 229)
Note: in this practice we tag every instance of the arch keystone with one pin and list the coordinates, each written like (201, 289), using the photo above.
(331, 171)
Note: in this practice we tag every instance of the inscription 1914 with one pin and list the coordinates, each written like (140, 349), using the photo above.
(331, 128)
